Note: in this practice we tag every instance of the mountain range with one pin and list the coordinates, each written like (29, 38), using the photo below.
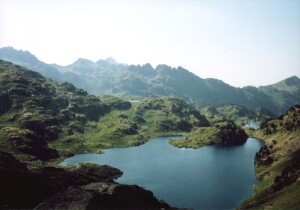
(107, 77)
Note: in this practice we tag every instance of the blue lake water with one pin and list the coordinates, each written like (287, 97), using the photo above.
(211, 177)
(252, 124)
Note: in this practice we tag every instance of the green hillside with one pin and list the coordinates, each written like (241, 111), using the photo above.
(239, 114)
(41, 119)
(134, 124)
(278, 164)
(36, 111)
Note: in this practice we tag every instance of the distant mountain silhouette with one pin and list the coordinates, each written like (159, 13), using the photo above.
(107, 77)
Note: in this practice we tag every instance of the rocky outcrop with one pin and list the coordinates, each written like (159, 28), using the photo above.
(102, 195)
(230, 134)
(87, 186)
(224, 133)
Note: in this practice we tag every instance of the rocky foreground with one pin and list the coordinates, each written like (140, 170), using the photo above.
(103, 195)
(87, 186)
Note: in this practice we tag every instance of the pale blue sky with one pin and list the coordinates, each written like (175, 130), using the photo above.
(242, 42)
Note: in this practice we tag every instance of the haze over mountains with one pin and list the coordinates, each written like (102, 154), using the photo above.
(107, 77)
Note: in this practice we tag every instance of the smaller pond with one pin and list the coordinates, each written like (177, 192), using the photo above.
(205, 178)
(252, 124)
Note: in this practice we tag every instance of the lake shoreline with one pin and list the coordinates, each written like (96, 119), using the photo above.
(165, 149)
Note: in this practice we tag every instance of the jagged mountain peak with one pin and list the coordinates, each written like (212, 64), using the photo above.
(160, 67)
(148, 66)
(111, 61)
(82, 62)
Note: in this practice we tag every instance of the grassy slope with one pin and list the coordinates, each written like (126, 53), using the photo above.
(279, 158)
(134, 126)
(128, 127)
(283, 92)
(199, 138)
(36, 111)
(239, 114)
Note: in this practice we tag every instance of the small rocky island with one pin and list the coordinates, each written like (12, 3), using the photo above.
(225, 133)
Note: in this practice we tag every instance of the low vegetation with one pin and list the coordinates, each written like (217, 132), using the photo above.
(44, 120)
(150, 117)
(239, 114)
(278, 164)
(223, 133)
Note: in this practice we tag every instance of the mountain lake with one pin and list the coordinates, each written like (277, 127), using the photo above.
(211, 177)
